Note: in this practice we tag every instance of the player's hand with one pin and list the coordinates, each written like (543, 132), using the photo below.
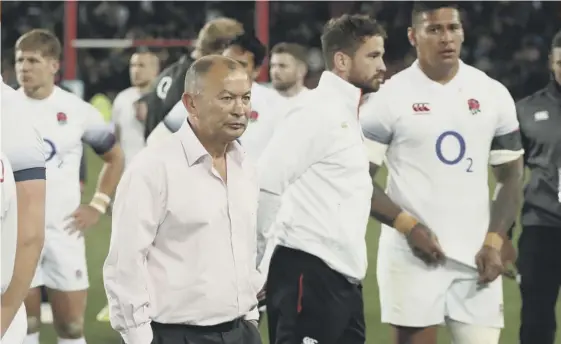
(262, 294)
(141, 111)
(424, 244)
(254, 323)
(489, 264)
(508, 257)
(82, 219)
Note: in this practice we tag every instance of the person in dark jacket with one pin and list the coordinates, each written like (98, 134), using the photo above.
(168, 88)
(539, 257)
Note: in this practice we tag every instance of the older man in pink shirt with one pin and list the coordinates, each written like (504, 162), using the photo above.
(181, 265)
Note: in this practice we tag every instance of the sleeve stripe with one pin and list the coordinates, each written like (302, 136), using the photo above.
(34, 173)
(510, 141)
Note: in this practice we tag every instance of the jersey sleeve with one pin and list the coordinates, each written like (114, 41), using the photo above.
(23, 145)
(507, 142)
(376, 119)
(175, 118)
(377, 123)
(98, 134)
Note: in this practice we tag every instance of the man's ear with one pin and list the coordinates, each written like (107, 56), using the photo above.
(189, 103)
(411, 36)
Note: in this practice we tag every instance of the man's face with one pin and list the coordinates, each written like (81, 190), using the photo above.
(556, 64)
(368, 68)
(143, 69)
(285, 71)
(438, 36)
(34, 70)
(222, 108)
(245, 58)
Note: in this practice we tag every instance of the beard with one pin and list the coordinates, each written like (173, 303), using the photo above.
(283, 85)
(366, 86)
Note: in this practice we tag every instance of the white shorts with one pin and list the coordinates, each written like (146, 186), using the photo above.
(415, 295)
(62, 265)
(18, 328)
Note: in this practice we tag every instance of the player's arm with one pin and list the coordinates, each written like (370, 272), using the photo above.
(138, 210)
(26, 155)
(100, 136)
(377, 123)
(299, 142)
(508, 167)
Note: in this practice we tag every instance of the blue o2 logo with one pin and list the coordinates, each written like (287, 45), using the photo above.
(453, 159)
(50, 149)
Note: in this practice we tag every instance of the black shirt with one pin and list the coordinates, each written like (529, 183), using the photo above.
(166, 92)
(540, 124)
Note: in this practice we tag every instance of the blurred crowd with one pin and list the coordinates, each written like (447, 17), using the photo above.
(509, 39)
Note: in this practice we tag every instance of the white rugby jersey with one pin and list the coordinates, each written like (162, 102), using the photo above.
(21, 141)
(441, 139)
(9, 221)
(131, 130)
(65, 121)
(261, 122)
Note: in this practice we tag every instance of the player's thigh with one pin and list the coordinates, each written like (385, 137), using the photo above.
(415, 335)
(471, 303)
(463, 333)
(68, 306)
(64, 267)
(412, 294)
(328, 306)
(32, 304)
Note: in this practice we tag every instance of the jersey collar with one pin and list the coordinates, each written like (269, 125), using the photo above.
(195, 151)
(335, 84)
(456, 82)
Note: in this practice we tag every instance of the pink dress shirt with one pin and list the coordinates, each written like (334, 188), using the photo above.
(183, 242)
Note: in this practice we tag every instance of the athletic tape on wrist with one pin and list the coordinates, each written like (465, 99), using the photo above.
(404, 223)
(493, 240)
(100, 202)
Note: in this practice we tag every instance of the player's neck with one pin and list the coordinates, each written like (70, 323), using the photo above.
(215, 147)
(40, 92)
(143, 88)
(292, 91)
(440, 74)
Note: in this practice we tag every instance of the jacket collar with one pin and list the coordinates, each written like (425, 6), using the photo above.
(334, 84)
(554, 89)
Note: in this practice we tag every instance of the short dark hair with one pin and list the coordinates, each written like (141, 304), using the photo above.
(556, 42)
(42, 41)
(421, 7)
(299, 52)
(249, 42)
(346, 34)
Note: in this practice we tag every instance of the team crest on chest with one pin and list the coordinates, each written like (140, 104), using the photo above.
(61, 118)
(474, 106)
(253, 116)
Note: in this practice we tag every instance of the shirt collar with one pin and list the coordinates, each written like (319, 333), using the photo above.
(333, 83)
(195, 151)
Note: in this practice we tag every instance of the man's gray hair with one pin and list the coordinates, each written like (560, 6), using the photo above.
(195, 74)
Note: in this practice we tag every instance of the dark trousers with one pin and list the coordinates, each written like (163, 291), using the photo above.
(539, 265)
(234, 332)
(308, 302)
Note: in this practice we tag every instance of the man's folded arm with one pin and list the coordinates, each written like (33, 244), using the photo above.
(138, 210)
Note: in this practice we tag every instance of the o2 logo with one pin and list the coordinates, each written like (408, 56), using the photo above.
(453, 160)
(50, 149)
